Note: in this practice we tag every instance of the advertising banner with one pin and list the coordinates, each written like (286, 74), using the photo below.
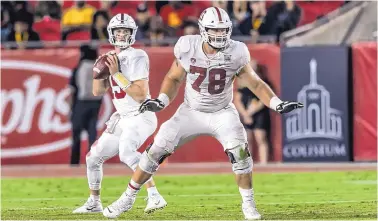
(317, 77)
(35, 125)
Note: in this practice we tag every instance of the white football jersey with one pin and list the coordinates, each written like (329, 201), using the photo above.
(209, 79)
(134, 65)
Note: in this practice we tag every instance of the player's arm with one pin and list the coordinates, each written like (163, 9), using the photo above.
(169, 89)
(172, 82)
(264, 92)
(138, 90)
(99, 87)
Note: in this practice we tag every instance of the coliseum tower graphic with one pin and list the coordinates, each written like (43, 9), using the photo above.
(316, 119)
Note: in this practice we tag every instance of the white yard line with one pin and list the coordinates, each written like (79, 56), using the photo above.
(362, 182)
(215, 205)
(179, 195)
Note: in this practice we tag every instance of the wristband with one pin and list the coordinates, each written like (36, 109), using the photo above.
(164, 98)
(121, 80)
(274, 102)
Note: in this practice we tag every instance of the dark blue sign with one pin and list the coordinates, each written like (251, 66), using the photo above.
(317, 77)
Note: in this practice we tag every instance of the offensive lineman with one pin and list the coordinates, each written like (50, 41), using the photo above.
(125, 131)
(209, 62)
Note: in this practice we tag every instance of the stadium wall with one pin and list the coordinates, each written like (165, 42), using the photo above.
(35, 123)
(364, 61)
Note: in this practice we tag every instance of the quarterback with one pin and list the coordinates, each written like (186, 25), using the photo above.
(126, 131)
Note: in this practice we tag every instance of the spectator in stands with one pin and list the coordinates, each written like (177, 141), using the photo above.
(84, 106)
(107, 5)
(175, 13)
(157, 32)
(220, 4)
(142, 20)
(47, 23)
(240, 10)
(281, 17)
(255, 116)
(7, 15)
(48, 8)
(191, 28)
(22, 7)
(48, 28)
(159, 5)
(77, 18)
(22, 33)
(99, 26)
(251, 24)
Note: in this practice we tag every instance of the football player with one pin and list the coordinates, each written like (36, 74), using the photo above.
(126, 129)
(208, 62)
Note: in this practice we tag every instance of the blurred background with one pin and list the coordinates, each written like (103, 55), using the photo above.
(322, 53)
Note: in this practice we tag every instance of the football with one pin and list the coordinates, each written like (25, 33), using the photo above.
(100, 70)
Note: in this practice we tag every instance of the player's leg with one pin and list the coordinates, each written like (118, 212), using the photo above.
(231, 134)
(182, 127)
(103, 149)
(136, 130)
(172, 133)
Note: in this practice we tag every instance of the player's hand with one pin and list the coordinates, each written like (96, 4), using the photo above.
(153, 105)
(112, 63)
(288, 106)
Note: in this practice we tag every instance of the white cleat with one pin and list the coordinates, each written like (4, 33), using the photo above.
(250, 211)
(91, 206)
(123, 204)
(155, 202)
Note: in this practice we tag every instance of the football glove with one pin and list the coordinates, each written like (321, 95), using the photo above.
(153, 105)
(288, 106)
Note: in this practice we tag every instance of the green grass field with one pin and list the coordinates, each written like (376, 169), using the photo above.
(322, 195)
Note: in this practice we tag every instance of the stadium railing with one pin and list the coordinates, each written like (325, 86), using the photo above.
(168, 41)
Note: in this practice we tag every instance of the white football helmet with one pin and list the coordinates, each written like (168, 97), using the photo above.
(122, 21)
(215, 17)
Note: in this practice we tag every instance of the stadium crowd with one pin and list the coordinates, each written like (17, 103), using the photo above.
(24, 21)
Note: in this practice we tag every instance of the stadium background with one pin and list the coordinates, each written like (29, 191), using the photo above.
(35, 125)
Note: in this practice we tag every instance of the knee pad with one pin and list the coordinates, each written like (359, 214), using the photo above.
(152, 158)
(93, 161)
(240, 158)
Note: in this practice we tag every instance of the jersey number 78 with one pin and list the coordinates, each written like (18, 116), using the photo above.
(217, 79)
